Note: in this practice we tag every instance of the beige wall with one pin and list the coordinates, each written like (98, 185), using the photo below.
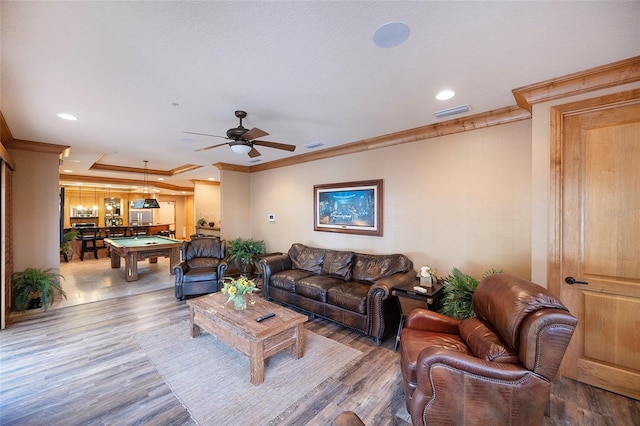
(206, 198)
(456, 201)
(236, 205)
(35, 210)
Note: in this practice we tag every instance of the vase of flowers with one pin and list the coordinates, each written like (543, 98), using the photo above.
(426, 276)
(237, 289)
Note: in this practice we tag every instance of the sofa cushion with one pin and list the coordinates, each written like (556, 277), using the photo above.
(315, 286)
(200, 274)
(485, 343)
(337, 264)
(306, 258)
(349, 295)
(370, 268)
(286, 280)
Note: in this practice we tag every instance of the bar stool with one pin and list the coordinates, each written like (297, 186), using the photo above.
(139, 230)
(89, 237)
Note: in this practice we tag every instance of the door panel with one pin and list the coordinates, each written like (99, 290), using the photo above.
(600, 243)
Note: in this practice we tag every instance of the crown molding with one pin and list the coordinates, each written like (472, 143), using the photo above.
(233, 167)
(33, 146)
(204, 182)
(119, 181)
(602, 77)
(472, 122)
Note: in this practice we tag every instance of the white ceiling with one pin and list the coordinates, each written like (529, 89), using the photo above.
(139, 74)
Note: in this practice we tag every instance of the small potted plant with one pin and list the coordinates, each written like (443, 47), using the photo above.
(34, 288)
(241, 250)
(65, 244)
(457, 294)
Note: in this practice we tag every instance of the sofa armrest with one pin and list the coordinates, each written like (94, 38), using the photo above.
(426, 320)
(383, 310)
(272, 264)
(387, 283)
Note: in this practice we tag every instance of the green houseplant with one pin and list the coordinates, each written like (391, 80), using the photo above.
(457, 294)
(241, 250)
(34, 287)
(65, 244)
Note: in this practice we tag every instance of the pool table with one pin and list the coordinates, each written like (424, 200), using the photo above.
(138, 248)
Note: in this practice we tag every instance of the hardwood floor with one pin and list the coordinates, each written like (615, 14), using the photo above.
(81, 365)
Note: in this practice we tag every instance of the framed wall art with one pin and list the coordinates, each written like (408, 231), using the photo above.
(349, 208)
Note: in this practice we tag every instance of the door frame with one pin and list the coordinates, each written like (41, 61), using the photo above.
(558, 112)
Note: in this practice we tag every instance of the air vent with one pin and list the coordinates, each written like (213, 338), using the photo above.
(313, 145)
(452, 111)
(254, 160)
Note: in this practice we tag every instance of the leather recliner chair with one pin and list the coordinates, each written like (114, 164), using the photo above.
(202, 268)
(493, 369)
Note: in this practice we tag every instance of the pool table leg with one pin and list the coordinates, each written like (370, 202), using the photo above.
(115, 260)
(131, 267)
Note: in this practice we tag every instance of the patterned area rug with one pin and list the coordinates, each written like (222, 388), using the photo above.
(212, 380)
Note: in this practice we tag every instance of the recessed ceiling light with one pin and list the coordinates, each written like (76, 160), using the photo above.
(160, 178)
(68, 171)
(391, 34)
(445, 94)
(66, 116)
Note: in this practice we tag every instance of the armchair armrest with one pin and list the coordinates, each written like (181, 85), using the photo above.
(425, 320)
(179, 270)
(475, 383)
(222, 270)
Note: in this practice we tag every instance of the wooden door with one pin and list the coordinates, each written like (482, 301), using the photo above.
(598, 209)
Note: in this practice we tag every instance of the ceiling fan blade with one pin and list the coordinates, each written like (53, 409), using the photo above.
(253, 134)
(211, 147)
(253, 153)
(205, 134)
(276, 145)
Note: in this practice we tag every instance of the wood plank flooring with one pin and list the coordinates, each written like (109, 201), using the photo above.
(81, 365)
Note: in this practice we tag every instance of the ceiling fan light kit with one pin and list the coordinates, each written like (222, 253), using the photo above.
(240, 148)
(242, 141)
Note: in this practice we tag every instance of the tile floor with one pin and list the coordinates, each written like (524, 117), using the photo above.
(92, 280)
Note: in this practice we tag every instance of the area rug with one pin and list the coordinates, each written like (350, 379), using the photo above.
(212, 380)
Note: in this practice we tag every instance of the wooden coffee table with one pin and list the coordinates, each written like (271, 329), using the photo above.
(240, 331)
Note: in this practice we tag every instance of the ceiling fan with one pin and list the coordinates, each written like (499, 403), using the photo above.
(242, 140)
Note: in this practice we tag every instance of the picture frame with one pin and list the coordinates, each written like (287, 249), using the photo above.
(349, 207)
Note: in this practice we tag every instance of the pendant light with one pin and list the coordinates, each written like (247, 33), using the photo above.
(80, 197)
(149, 203)
(95, 198)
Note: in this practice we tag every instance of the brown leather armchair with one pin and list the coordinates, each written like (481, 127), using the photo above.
(493, 369)
(202, 268)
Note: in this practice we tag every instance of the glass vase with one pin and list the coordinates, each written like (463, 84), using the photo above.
(240, 303)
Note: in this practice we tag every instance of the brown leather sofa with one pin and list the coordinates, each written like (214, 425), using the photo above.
(352, 289)
(493, 369)
(202, 268)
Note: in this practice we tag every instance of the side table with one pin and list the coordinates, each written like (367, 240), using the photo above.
(410, 299)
